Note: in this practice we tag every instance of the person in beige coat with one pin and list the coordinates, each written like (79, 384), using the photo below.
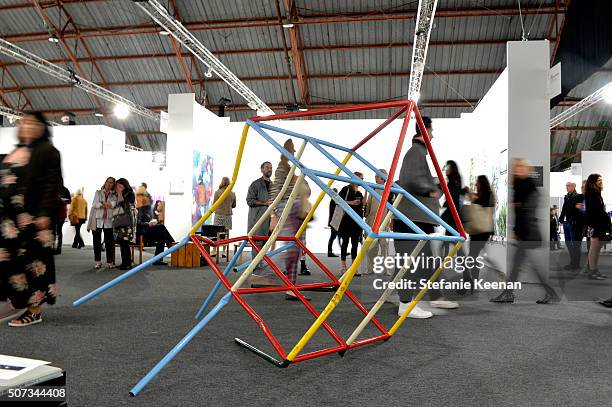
(223, 214)
(77, 215)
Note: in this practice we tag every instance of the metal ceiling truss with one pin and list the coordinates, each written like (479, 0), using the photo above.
(582, 105)
(161, 16)
(68, 76)
(424, 23)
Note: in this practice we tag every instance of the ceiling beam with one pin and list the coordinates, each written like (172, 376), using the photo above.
(55, 30)
(317, 48)
(22, 94)
(347, 75)
(559, 30)
(581, 128)
(281, 106)
(297, 52)
(238, 23)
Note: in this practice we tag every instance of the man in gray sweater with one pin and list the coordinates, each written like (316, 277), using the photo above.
(258, 199)
(416, 179)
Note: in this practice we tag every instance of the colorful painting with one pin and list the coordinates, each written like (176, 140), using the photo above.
(202, 186)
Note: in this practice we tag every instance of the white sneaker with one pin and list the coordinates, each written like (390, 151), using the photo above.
(416, 312)
(445, 304)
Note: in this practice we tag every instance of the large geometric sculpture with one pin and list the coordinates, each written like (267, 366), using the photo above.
(341, 287)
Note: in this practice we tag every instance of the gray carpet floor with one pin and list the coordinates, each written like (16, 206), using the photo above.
(481, 354)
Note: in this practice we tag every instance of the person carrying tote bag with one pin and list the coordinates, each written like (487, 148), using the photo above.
(478, 222)
(338, 213)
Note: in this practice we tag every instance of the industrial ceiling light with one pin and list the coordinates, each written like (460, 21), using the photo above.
(53, 38)
(121, 111)
(607, 93)
(164, 32)
(208, 72)
(302, 108)
(288, 25)
(98, 113)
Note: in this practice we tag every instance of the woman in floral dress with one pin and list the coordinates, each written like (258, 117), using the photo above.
(30, 182)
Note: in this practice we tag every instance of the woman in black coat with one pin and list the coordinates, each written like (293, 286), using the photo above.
(124, 221)
(349, 231)
(30, 182)
(597, 223)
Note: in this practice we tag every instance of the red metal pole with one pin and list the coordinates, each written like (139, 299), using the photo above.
(368, 341)
(260, 322)
(300, 296)
(318, 353)
(379, 128)
(301, 287)
(391, 175)
(432, 155)
(348, 292)
(333, 110)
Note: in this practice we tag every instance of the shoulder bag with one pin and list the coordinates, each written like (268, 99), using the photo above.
(338, 214)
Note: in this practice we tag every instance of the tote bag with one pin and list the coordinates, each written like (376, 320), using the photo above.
(478, 218)
(338, 215)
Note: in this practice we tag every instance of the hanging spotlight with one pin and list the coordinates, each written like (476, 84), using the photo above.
(208, 72)
(53, 38)
(121, 111)
(288, 25)
(98, 113)
(164, 33)
(302, 108)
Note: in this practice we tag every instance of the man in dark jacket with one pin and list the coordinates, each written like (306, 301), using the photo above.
(570, 219)
(416, 179)
(527, 234)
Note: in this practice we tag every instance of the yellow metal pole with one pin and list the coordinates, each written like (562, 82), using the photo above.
(332, 303)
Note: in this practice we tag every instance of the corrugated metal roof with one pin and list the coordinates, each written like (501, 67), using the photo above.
(353, 65)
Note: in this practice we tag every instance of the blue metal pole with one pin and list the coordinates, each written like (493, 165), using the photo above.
(227, 270)
(417, 236)
(129, 273)
(180, 345)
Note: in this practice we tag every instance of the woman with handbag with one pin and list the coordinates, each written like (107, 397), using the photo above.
(597, 223)
(349, 231)
(101, 220)
(479, 224)
(77, 216)
(123, 221)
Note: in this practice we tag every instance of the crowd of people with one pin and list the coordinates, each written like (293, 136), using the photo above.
(34, 201)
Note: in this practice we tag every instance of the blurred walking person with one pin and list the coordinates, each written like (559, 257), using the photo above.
(31, 180)
(526, 232)
(380, 247)
(349, 230)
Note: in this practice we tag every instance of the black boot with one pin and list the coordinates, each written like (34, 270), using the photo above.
(548, 298)
(505, 297)
(304, 269)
